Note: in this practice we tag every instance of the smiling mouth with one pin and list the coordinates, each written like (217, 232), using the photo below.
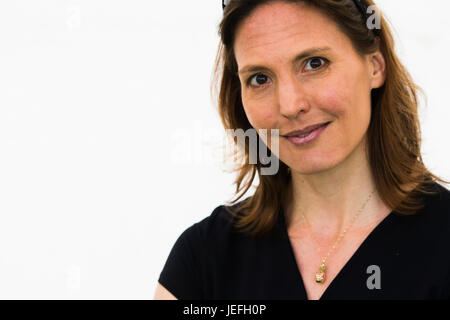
(307, 137)
(306, 133)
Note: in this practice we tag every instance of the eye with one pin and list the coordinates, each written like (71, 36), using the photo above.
(257, 80)
(315, 62)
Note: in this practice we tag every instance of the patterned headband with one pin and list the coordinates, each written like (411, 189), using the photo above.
(362, 7)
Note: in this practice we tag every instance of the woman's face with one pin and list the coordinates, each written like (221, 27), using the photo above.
(297, 69)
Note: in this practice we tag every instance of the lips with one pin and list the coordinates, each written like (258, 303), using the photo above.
(305, 130)
(308, 138)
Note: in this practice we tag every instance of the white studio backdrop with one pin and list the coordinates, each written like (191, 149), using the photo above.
(109, 135)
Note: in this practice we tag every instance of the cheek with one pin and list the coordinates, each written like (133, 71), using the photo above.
(261, 115)
(351, 112)
(334, 98)
(347, 95)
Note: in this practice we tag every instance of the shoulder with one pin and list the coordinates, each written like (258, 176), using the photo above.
(434, 219)
(428, 226)
(219, 224)
(186, 272)
(433, 231)
(443, 192)
(216, 229)
(438, 203)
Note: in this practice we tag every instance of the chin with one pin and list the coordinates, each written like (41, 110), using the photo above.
(310, 170)
(314, 167)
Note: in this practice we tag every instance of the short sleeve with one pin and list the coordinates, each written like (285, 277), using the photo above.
(181, 274)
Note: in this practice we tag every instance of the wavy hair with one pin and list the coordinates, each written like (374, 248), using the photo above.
(394, 138)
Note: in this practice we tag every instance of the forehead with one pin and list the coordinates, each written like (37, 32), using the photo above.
(285, 28)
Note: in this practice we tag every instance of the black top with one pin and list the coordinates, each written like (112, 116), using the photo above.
(404, 257)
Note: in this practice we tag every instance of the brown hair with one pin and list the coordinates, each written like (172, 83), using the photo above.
(393, 135)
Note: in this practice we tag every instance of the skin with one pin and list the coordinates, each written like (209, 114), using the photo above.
(331, 176)
(161, 293)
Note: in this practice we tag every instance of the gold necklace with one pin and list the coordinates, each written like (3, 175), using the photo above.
(320, 274)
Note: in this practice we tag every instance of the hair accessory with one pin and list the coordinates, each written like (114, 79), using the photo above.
(225, 3)
(362, 7)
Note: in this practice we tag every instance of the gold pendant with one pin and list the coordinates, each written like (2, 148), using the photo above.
(320, 275)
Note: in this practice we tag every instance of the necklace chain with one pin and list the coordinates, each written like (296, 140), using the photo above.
(321, 274)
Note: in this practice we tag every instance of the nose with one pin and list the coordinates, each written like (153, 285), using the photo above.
(291, 97)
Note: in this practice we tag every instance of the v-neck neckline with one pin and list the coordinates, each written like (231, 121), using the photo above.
(292, 260)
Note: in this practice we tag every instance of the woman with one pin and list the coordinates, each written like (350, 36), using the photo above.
(352, 212)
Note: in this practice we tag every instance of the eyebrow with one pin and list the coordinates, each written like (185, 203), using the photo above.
(304, 54)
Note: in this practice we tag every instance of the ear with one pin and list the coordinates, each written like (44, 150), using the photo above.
(377, 69)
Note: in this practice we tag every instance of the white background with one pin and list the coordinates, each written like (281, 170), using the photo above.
(101, 104)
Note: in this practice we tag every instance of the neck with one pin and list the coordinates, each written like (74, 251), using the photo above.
(331, 198)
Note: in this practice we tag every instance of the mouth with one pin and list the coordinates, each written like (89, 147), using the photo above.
(305, 138)
(305, 132)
